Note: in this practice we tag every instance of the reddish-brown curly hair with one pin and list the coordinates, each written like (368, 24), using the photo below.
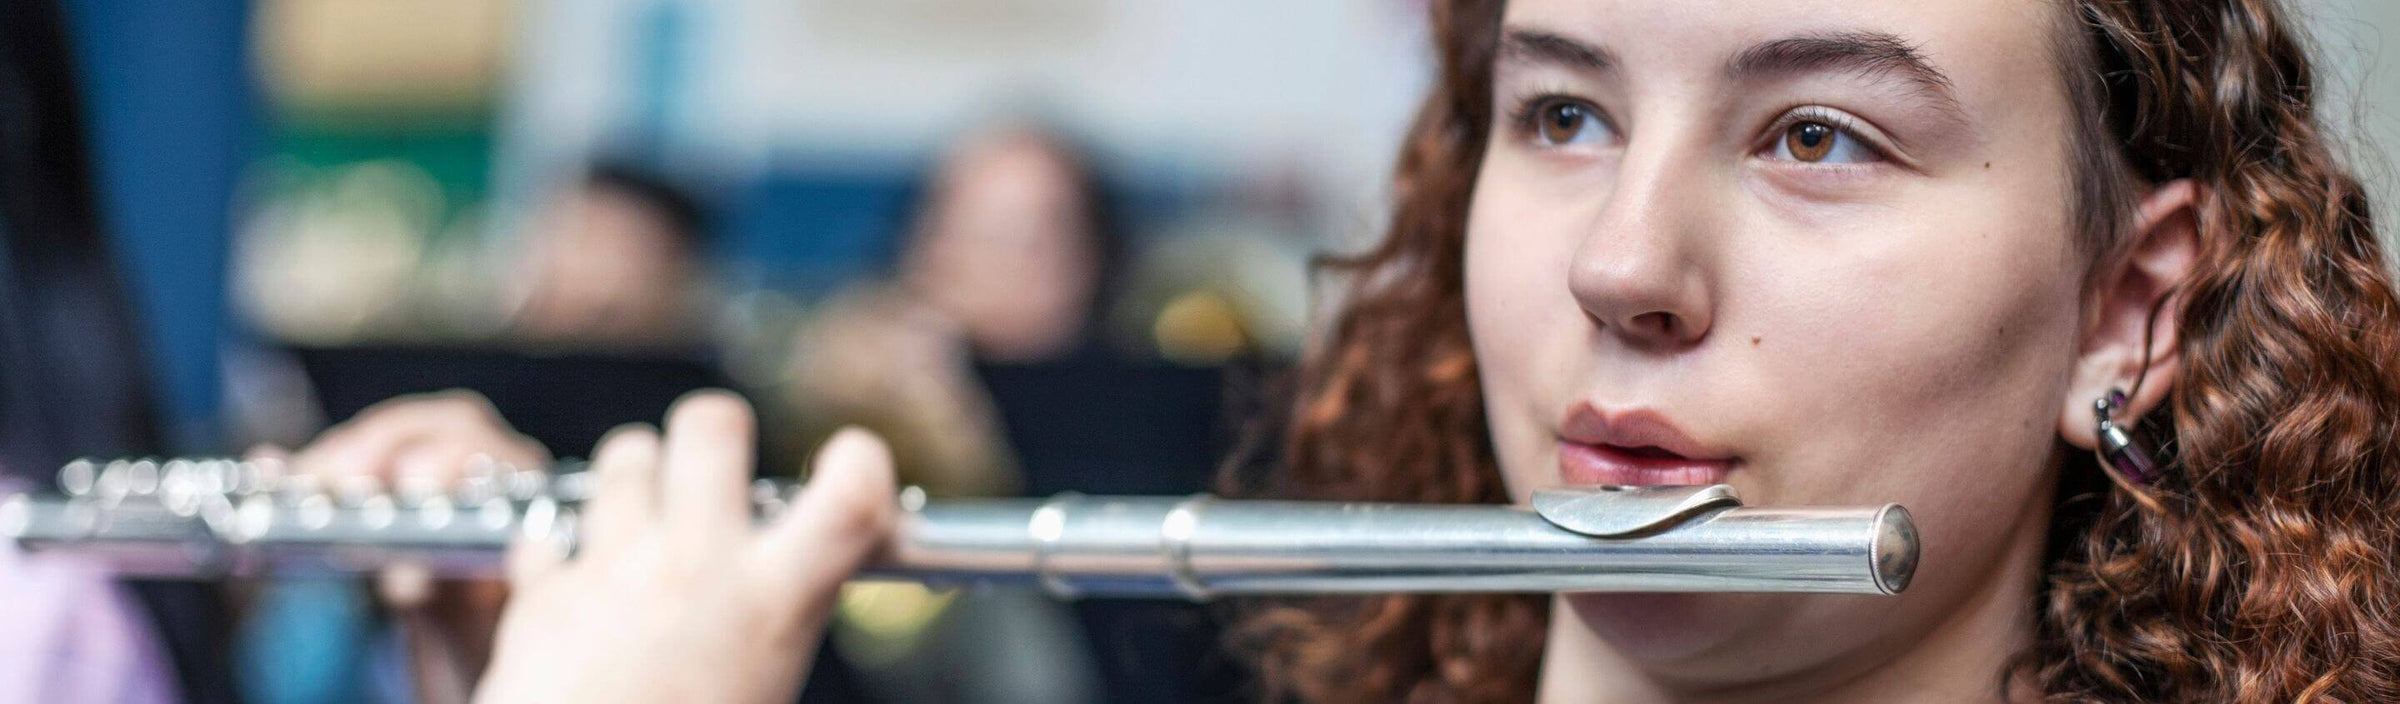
(2261, 568)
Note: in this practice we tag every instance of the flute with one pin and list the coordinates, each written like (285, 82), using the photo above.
(205, 519)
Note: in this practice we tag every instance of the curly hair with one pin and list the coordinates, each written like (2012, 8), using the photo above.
(2262, 567)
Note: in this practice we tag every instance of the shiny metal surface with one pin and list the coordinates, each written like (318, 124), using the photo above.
(205, 519)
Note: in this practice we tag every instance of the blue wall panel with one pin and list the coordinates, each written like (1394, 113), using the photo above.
(169, 98)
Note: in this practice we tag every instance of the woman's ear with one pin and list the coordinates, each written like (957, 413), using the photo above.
(2129, 333)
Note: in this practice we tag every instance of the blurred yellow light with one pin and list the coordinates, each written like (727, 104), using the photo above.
(1200, 328)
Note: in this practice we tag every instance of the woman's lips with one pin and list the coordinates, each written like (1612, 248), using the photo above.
(1579, 463)
(1634, 448)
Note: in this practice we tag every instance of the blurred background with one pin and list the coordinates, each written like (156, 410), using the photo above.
(1045, 244)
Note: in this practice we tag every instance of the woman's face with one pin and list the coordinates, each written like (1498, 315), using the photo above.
(1821, 251)
(1005, 249)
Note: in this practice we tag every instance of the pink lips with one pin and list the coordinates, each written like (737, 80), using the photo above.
(1634, 448)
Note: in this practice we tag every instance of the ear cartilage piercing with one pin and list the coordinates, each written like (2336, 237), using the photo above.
(2116, 446)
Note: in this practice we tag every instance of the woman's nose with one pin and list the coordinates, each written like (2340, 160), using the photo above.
(1639, 270)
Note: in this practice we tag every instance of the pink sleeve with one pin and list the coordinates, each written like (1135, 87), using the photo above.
(70, 633)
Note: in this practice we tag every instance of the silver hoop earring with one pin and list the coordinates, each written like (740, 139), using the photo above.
(2116, 446)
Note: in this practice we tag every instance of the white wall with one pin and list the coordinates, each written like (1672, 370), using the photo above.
(1319, 87)
(2358, 53)
(1326, 85)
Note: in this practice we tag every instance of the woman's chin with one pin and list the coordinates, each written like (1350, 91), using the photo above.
(1691, 633)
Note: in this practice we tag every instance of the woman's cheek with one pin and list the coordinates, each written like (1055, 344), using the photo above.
(1528, 333)
(1926, 371)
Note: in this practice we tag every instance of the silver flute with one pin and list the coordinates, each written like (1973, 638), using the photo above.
(213, 518)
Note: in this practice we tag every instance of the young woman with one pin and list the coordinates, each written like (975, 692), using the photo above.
(1828, 252)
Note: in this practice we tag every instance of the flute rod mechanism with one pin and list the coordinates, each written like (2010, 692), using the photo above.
(204, 519)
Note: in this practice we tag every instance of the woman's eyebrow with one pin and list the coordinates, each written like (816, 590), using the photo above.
(1867, 52)
(1536, 46)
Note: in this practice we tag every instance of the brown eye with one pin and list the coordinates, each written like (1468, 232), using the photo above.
(1562, 122)
(1810, 141)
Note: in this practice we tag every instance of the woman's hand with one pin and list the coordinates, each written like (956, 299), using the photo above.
(425, 443)
(676, 595)
(428, 439)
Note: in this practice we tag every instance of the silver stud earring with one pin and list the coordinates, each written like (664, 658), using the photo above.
(2116, 447)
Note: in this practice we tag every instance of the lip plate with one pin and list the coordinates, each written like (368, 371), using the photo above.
(1614, 511)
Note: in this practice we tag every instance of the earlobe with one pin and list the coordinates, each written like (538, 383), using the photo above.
(2130, 330)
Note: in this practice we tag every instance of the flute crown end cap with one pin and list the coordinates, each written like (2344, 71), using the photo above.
(1894, 550)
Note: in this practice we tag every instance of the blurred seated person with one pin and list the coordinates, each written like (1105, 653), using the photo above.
(608, 319)
(1004, 260)
(616, 260)
(991, 361)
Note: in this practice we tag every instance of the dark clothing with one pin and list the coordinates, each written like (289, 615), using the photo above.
(70, 381)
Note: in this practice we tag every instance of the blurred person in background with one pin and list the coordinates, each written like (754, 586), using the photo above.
(1003, 260)
(618, 260)
(994, 360)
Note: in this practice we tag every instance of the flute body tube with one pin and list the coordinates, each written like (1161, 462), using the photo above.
(1202, 548)
(1662, 539)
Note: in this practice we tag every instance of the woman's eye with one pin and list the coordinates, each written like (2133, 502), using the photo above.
(1816, 142)
(1560, 123)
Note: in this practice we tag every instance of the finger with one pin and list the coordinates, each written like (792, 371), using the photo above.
(503, 447)
(447, 460)
(352, 449)
(268, 460)
(266, 452)
(703, 489)
(430, 462)
(841, 517)
(404, 586)
(375, 440)
(517, 451)
(461, 467)
(451, 461)
(534, 558)
(452, 407)
(623, 499)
